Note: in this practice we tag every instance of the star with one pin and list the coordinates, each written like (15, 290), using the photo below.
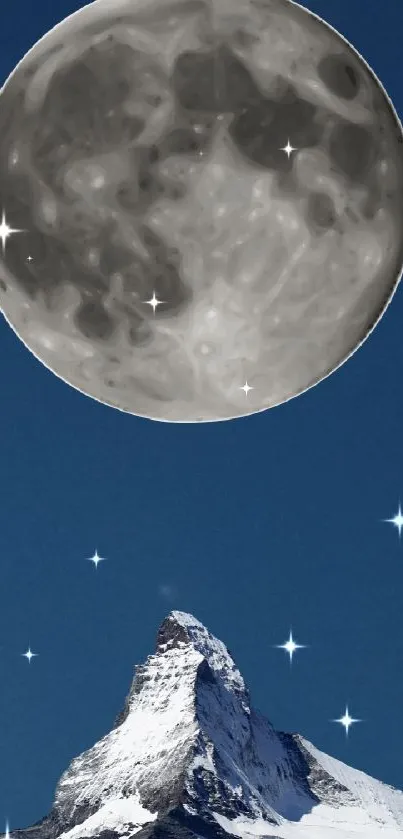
(290, 646)
(154, 302)
(29, 654)
(346, 721)
(288, 149)
(6, 230)
(96, 559)
(29, 258)
(246, 388)
(397, 520)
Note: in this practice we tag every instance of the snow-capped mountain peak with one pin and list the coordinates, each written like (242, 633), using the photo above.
(181, 629)
(189, 758)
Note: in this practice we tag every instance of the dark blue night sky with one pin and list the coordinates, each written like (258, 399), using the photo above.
(253, 525)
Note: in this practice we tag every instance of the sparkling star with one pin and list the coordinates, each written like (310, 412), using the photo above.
(6, 230)
(154, 302)
(290, 646)
(246, 388)
(29, 655)
(96, 559)
(288, 149)
(346, 721)
(29, 258)
(397, 521)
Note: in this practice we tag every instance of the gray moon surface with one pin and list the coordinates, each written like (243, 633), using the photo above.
(207, 204)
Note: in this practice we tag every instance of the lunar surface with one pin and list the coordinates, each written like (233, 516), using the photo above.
(202, 204)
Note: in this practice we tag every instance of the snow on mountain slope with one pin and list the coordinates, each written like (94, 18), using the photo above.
(189, 757)
(380, 801)
(118, 814)
(351, 805)
(147, 752)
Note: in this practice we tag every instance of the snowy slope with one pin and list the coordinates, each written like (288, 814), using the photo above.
(189, 757)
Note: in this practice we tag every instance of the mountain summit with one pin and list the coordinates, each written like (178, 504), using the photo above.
(189, 758)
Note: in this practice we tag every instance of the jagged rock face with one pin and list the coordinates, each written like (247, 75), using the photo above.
(189, 758)
(147, 753)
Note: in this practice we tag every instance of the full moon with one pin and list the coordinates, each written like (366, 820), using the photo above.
(202, 204)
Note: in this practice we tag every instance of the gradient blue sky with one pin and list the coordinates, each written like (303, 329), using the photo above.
(252, 525)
